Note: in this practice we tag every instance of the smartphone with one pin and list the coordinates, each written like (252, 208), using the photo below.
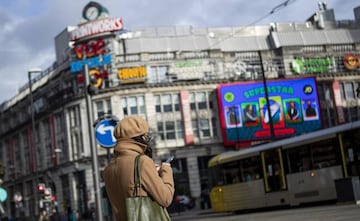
(169, 159)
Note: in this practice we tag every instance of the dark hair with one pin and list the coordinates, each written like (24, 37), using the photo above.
(146, 140)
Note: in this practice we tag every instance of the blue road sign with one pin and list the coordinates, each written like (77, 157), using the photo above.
(104, 133)
(3, 195)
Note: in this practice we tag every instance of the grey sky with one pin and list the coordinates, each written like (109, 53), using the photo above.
(28, 27)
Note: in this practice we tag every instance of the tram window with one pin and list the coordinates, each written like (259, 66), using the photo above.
(299, 159)
(324, 154)
(315, 156)
(250, 169)
(231, 173)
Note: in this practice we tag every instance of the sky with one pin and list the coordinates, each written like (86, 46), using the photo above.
(28, 27)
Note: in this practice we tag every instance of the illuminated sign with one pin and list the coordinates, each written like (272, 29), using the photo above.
(294, 109)
(101, 60)
(311, 65)
(133, 74)
(351, 61)
(90, 49)
(96, 27)
(91, 53)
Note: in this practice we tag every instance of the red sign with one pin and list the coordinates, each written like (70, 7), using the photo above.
(338, 102)
(90, 49)
(186, 113)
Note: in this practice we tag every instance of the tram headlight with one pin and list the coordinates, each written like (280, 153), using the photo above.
(312, 173)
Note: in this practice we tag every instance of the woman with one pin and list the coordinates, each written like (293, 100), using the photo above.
(133, 139)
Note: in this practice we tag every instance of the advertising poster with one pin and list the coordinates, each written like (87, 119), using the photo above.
(294, 109)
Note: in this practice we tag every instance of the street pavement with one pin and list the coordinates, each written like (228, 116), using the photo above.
(336, 212)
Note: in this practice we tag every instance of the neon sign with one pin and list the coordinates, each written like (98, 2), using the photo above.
(294, 109)
(90, 49)
(91, 53)
(351, 61)
(91, 62)
(311, 65)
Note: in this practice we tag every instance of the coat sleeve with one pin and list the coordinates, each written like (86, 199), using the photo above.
(159, 185)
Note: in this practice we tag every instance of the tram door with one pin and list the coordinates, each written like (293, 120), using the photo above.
(273, 169)
(351, 152)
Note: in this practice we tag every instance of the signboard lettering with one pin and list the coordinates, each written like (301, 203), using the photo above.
(96, 27)
(90, 49)
(91, 62)
(311, 65)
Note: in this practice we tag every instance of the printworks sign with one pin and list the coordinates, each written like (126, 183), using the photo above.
(96, 27)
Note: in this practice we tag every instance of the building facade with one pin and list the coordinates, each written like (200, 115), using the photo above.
(169, 76)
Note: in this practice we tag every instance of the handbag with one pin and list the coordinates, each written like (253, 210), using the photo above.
(142, 208)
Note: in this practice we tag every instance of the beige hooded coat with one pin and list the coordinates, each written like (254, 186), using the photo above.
(119, 174)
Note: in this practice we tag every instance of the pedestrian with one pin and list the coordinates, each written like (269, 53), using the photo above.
(55, 216)
(44, 216)
(63, 216)
(132, 135)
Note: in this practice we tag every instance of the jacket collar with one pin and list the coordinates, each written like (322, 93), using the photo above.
(129, 144)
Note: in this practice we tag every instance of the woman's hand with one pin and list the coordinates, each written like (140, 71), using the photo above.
(157, 166)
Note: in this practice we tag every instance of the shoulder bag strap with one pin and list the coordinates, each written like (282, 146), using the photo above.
(137, 176)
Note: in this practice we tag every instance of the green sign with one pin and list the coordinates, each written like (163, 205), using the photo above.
(311, 65)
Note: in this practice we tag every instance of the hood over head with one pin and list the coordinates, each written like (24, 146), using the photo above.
(130, 127)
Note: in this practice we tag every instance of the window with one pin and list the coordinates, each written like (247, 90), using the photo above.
(349, 90)
(158, 74)
(195, 128)
(204, 128)
(179, 129)
(103, 107)
(313, 156)
(157, 104)
(167, 103)
(170, 130)
(192, 101)
(244, 170)
(201, 100)
(133, 105)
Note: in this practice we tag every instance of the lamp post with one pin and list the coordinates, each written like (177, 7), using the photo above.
(94, 152)
(33, 130)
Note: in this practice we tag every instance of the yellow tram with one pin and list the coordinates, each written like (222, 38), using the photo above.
(286, 172)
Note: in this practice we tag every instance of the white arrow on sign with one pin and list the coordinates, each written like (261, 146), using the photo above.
(102, 130)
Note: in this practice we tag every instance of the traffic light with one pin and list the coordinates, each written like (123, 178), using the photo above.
(41, 188)
(95, 82)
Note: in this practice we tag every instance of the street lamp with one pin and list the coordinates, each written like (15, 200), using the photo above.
(33, 130)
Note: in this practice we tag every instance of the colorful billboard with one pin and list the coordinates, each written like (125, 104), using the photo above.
(294, 109)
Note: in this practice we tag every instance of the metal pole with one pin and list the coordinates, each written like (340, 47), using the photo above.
(33, 131)
(94, 153)
(272, 132)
